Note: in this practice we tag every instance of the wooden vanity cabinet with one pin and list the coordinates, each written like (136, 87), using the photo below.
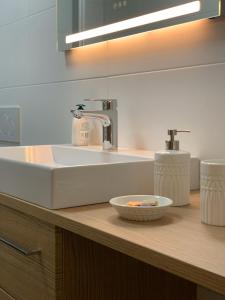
(87, 253)
(39, 261)
(5, 296)
(30, 257)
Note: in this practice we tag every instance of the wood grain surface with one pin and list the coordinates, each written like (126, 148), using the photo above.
(178, 243)
(5, 296)
(35, 276)
(96, 272)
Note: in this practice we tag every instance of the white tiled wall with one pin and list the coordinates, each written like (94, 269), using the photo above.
(170, 78)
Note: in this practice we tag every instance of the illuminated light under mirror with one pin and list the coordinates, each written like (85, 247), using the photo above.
(84, 22)
(169, 13)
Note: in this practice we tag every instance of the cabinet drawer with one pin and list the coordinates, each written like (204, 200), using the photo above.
(5, 296)
(31, 234)
(25, 279)
(24, 273)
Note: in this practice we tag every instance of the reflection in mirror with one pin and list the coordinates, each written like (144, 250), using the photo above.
(83, 22)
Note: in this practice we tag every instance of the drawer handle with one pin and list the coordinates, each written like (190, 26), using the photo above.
(18, 248)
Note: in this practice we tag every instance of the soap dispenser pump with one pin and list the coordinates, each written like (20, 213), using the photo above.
(173, 144)
(172, 171)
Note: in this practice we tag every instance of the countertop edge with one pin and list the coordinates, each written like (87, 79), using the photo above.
(175, 266)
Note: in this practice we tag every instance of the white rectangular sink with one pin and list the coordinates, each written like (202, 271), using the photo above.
(64, 176)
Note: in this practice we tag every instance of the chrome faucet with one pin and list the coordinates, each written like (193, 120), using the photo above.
(108, 116)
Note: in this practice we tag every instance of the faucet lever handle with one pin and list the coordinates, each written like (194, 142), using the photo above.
(107, 104)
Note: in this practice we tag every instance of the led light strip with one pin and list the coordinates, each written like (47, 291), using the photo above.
(165, 14)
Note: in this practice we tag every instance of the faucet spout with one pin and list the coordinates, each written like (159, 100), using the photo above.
(104, 119)
(108, 117)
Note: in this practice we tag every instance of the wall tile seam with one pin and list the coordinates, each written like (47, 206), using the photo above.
(28, 16)
(181, 68)
(141, 73)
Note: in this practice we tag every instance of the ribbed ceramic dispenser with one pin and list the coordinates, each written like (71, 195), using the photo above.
(172, 171)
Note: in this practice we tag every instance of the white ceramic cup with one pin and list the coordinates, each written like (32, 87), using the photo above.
(213, 192)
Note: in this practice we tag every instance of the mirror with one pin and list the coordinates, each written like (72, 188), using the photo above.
(83, 22)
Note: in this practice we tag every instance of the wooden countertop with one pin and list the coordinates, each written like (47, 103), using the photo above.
(178, 243)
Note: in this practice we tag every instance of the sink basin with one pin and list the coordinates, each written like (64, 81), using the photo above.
(64, 176)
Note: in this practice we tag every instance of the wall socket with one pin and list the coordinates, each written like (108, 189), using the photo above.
(10, 124)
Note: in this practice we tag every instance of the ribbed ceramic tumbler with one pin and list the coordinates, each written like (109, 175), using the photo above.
(213, 192)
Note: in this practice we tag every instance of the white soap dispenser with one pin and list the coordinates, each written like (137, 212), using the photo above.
(80, 129)
(172, 171)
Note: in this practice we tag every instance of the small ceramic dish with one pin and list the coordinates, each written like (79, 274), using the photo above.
(141, 213)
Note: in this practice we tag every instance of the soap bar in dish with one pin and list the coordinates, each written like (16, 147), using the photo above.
(143, 203)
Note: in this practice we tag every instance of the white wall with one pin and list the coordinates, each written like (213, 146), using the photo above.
(171, 78)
